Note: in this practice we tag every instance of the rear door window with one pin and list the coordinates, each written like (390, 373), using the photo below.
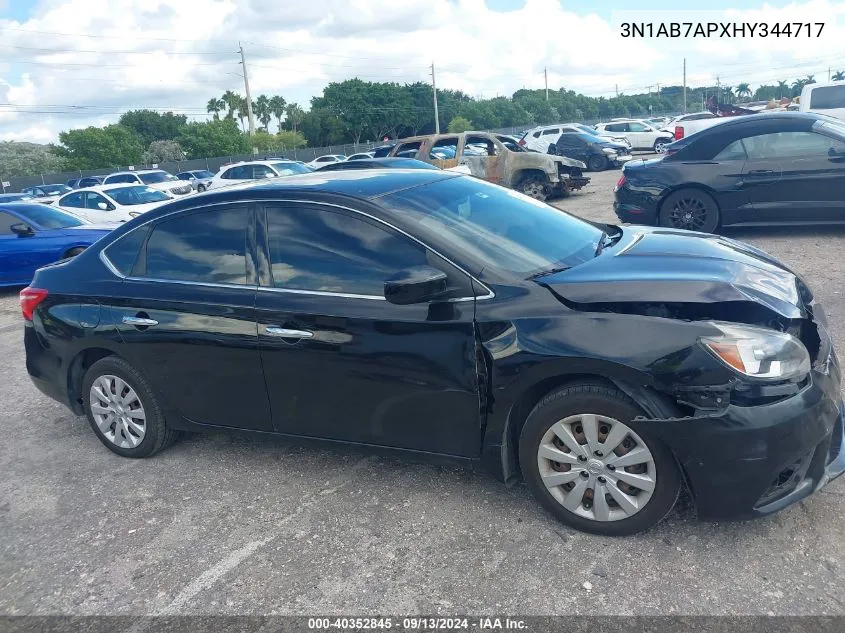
(208, 246)
(74, 200)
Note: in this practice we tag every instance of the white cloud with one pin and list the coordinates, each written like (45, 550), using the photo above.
(178, 53)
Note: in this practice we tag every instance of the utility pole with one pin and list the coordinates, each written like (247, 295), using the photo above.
(546, 77)
(685, 85)
(828, 73)
(248, 96)
(436, 114)
(616, 88)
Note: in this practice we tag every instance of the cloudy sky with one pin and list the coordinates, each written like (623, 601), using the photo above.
(71, 63)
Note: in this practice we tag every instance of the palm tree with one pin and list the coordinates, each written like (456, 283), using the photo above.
(295, 115)
(215, 106)
(783, 86)
(231, 99)
(277, 108)
(261, 109)
(242, 111)
(743, 90)
(838, 75)
(811, 79)
(798, 86)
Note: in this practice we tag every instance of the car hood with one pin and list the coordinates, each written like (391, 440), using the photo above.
(655, 265)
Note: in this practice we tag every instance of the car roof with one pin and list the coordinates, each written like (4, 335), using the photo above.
(135, 171)
(22, 207)
(750, 119)
(398, 162)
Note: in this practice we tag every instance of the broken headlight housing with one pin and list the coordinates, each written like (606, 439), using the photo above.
(758, 352)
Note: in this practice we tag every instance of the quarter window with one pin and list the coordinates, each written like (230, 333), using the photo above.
(124, 251)
(328, 251)
(209, 246)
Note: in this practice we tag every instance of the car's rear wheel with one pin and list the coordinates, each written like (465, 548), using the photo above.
(534, 186)
(200, 188)
(660, 145)
(597, 163)
(690, 209)
(123, 410)
(592, 466)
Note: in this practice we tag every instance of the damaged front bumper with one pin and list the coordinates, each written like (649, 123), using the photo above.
(746, 462)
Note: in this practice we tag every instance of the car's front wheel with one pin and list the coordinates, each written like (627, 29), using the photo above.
(123, 409)
(591, 465)
(200, 188)
(598, 162)
(660, 145)
(534, 186)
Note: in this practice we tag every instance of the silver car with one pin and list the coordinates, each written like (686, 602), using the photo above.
(199, 178)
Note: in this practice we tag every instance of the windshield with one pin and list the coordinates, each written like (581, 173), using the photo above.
(156, 176)
(500, 228)
(48, 217)
(136, 195)
(55, 190)
(289, 169)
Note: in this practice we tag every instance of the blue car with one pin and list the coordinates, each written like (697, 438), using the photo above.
(33, 235)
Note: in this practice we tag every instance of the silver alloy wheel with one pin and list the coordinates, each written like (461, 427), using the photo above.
(118, 411)
(596, 467)
(660, 147)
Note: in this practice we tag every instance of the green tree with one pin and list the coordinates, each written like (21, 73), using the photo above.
(459, 124)
(322, 127)
(150, 126)
(97, 147)
(214, 138)
(276, 106)
(294, 114)
(839, 75)
(291, 140)
(163, 152)
(232, 100)
(743, 90)
(347, 101)
(783, 89)
(261, 110)
(28, 159)
(242, 112)
(215, 106)
(264, 141)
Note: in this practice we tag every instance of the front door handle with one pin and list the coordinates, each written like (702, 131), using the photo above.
(139, 321)
(275, 330)
(761, 172)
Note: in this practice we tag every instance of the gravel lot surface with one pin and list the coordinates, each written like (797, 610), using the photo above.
(222, 524)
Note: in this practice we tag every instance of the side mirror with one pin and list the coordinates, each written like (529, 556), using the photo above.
(22, 230)
(102, 206)
(419, 284)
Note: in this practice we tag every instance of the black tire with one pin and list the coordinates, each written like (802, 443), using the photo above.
(660, 144)
(534, 186)
(597, 162)
(200, 188)
(74, 252)
(690, 209)
(583, 398)
(157, 435)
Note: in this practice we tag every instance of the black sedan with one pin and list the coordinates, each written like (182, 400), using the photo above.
(772, 168)
(378, 163)
(595, 152)
(439, 314)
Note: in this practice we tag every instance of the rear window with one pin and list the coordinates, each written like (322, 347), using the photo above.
(48, 217)
(290, 169)
(827, 98)
(156, 176)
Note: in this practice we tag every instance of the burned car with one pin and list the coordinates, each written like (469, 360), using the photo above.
(497, 158)
(435, 313)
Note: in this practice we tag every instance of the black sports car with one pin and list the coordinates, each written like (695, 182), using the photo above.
(441, 314)
(378, 163)
(770, 168)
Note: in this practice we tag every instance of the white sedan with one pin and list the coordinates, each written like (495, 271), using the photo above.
(112, 204)
(249, 171)
(328, 159)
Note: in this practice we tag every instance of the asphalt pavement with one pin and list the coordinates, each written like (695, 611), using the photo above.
(222, 524)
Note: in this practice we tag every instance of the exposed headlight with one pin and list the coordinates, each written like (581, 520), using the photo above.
(758, 352)
(608, 150)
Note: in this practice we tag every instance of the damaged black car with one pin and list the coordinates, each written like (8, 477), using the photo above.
(439, 315)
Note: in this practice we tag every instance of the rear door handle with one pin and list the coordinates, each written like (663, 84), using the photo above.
(130, 320)
(275, 330)
(761, 172)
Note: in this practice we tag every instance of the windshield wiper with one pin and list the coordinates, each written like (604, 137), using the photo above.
(549, 271)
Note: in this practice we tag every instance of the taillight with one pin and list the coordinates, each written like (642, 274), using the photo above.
(679, 132)
(620, 182)
(30, 298)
